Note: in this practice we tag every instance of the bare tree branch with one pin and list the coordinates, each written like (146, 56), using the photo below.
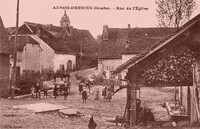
(174, 13)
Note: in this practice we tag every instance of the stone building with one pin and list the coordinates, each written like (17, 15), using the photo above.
(5, 51)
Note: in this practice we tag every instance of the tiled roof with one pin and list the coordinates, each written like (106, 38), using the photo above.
(159, 46)
(61, 42)
(141, 45)
(5, 46)
(74, 38)
(117, 37)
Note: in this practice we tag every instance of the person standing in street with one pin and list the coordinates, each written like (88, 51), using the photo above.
(55, 91)
(109, 94)
(97, 94)
(80, 87)
(104, 92)
(32, 91)
(37, 90)
(45, 93)
(65, 91)
(84, 96)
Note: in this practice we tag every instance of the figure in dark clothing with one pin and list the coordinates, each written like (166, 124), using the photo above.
(37, 90)
(109, 94)
(80, 87)
(45, 93)
(92, 124)
(54, 77)
(55, 91)
(65, 92)
(84, 96)
(104, 92)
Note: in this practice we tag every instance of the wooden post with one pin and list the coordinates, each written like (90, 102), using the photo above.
(15, 54)
(134, 84)
(133, 108)
(195, 116)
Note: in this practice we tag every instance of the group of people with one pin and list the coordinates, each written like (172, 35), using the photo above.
(85, 86)
(107, 93)
(37, 88)
(41, 86)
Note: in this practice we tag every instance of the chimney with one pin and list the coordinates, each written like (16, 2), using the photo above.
(129, 26)
(105, 32)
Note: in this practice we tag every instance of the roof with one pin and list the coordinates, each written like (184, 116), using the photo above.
(43, 34)
(22, 41)
(60, 40)
(74, 38)
(141, 45)
(117, 37)
(5, 46)
(159, 46)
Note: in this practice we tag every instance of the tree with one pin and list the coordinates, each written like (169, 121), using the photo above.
(174, 13)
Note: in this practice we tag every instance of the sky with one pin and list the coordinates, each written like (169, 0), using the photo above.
(84, 14)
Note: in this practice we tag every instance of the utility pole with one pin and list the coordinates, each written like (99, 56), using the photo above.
(15, 54)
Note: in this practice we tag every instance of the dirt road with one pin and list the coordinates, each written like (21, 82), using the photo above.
(102, 110)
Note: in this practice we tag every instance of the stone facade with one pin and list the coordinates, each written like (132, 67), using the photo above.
(32, 57)
(47, 57)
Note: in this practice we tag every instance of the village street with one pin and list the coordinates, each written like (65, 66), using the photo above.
(18, 118)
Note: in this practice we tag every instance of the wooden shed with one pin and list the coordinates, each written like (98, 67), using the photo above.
(187, 37)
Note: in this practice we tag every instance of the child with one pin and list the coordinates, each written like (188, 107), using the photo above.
(84, 96)
(104, 93)
(65, 91)
(32, 91)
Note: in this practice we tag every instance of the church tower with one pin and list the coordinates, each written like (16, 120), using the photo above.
(64, 22)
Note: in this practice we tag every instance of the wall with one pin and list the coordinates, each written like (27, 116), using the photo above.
(19, 60)
(32, 57)
(62, 59)
(126, 57)
(47, 57)
(4, 75)
(108, 65)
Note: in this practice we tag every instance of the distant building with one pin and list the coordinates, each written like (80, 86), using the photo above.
(120, 44)
(63, 48)
(5, 51)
